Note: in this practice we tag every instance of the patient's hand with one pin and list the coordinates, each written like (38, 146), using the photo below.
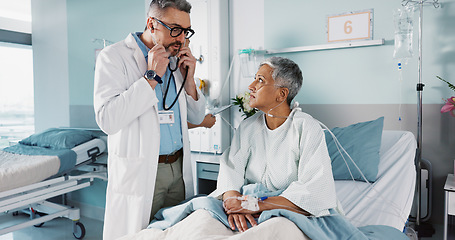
(232, 205)
(229, 203)
(239, 220)
(237, 216)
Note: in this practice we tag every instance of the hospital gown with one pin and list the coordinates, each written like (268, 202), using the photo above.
(292, 157)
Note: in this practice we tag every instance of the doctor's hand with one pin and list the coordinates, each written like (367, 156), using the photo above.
(187, 65)
(158, 59)
(187, 62)
(209, 121)
(240, 220)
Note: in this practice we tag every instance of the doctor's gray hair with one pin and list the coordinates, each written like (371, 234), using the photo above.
(157, 6)
(286, 73)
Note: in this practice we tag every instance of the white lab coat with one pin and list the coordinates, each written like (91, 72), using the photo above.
(126, 109)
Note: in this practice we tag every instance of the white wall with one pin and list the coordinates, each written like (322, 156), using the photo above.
(246, 31)
(50, 60)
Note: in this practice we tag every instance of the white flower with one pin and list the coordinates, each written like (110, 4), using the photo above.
(246, 106)
(245, 101)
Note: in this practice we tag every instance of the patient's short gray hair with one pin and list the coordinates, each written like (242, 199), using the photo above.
(157, 6)
(285, 73)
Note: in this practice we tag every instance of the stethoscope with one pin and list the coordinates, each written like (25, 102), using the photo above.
(169, 83)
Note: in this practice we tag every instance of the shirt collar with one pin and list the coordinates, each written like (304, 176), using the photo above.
(145, 50)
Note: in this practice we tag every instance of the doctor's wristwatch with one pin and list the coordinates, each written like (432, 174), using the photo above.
(151, 75)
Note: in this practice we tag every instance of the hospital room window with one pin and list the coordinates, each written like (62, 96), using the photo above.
(16, 72)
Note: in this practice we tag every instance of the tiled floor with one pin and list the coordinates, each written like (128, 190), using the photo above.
(56, 229)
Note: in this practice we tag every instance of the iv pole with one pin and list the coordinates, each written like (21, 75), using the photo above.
(420, 85)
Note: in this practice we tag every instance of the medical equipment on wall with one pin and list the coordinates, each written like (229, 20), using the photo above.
(105, 44)
(249, 64)
(249, 61)
(202, 84)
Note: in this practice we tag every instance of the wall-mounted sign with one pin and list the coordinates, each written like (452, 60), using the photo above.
(350, 26)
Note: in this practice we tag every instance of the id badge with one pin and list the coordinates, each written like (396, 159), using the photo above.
(166, 117)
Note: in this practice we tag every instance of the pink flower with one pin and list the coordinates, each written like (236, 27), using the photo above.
(449, 107)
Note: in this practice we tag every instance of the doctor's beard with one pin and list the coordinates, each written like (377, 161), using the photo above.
(172, 51)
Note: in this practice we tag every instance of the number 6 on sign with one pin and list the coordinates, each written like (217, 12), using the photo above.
(350, 26)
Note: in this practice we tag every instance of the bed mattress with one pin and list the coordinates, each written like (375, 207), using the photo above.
(18, 170)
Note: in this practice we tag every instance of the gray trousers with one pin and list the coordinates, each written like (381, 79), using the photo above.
(169, 186)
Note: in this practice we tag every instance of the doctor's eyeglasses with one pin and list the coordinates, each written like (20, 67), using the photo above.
(176, 31)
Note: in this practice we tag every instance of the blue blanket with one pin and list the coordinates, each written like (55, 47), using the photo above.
(333, 226)
(67, 156)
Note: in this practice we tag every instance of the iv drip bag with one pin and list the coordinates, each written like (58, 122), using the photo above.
(403, 18)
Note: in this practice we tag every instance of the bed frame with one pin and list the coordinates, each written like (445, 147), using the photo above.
(32, 199)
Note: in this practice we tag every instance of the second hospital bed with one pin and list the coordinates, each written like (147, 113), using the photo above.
(41, 167)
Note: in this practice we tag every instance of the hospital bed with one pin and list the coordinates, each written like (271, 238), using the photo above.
(27, 182)
(387, 201)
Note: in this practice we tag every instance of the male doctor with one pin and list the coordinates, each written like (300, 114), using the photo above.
(138, 103)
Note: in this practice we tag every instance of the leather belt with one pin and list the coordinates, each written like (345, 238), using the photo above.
(171, 158)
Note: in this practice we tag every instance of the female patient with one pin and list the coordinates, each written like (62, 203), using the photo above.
(279, 147)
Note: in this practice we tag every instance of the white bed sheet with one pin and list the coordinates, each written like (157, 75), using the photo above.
(387, 201)
(20, 170)
(201, 225)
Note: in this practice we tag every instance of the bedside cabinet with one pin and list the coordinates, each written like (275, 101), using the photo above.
(449, 208)
(207, 174)
(207, 168)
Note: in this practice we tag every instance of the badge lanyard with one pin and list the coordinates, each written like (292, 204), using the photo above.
(169, 83)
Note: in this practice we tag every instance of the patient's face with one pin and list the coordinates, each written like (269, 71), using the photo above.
(263, 92)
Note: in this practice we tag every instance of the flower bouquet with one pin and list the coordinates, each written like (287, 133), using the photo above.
(243, 101)
(450, 102)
